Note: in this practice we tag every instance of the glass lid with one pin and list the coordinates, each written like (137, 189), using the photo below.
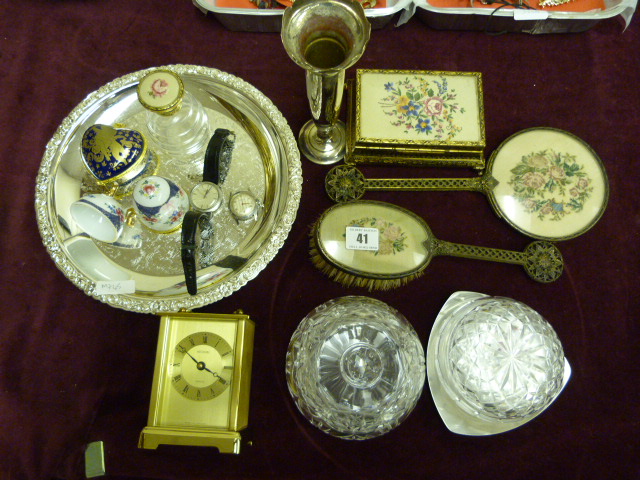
(265, 162)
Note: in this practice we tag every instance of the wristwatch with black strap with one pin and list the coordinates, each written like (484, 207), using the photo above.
(190, 227)
(205, 197)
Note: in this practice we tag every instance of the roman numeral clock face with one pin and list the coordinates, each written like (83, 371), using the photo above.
(201, 366)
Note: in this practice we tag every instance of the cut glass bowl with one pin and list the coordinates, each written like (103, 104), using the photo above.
(355, 367)
(494, 363)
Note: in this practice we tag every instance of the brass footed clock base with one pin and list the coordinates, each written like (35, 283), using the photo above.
(224, 441)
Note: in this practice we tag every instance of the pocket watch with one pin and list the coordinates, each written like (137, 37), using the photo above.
(244, 206)
(201, 381)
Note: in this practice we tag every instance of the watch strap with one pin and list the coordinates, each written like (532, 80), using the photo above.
(217, 159)
(189, 247)
(207, 252)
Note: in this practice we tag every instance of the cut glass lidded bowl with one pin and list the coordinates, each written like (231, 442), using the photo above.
(493, 364)
(355, 367)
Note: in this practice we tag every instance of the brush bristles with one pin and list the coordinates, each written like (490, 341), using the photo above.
(349, 279)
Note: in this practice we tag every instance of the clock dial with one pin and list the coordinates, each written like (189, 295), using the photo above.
(206, 197)
(202, 366)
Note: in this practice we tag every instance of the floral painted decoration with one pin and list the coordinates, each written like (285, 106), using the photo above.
(159, 88)
(161, 216)
(149, 188)
(116, 212)
(550, 184)
(172, 210)
(392, 238)
(426, 106)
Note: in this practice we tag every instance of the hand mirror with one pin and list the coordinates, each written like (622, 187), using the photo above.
(405, 247)
(545, 182)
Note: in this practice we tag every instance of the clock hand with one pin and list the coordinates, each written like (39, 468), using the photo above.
(203, 366)
(192, 357)
(200, 365)
(212, 373)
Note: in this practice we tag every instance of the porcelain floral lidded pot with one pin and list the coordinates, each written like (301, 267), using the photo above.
(160, 203)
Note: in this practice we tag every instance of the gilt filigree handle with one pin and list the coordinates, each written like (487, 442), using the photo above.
(541, 260)
(345, 183)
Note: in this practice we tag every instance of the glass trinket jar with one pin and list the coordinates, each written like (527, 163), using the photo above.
(178, 123)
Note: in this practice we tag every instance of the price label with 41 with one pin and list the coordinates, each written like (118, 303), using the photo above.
(360, 238)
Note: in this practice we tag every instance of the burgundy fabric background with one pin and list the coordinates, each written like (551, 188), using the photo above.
(73, 370)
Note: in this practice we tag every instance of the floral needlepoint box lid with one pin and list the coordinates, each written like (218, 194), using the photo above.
(416, 117)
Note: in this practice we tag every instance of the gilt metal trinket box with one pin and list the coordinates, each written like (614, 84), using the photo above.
(416, 118)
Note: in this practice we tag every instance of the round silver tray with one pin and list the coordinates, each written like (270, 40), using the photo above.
(266, 161)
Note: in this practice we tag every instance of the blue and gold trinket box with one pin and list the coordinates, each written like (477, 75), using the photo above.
(115, 156)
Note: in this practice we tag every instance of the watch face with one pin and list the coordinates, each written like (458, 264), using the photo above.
(243, 205)
(201, 366)
(206, 197)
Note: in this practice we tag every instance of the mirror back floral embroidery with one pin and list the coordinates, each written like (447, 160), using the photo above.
(550, 184)
(424, 106)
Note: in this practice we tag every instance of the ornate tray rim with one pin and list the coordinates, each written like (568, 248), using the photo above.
(54, 245)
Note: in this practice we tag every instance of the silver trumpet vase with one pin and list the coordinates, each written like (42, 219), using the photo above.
(325, 37)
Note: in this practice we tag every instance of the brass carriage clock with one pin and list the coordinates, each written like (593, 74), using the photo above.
(201, 381)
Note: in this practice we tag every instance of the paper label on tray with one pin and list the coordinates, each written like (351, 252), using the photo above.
(522, 14)
(360, 238)
(115, 287)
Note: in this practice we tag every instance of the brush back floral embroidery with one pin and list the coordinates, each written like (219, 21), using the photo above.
(392, 238)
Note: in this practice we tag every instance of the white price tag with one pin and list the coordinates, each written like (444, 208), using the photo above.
(115, 287)
(526, 14)
(360, 238)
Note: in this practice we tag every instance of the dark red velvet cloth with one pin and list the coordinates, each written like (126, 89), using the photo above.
(74, 370)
